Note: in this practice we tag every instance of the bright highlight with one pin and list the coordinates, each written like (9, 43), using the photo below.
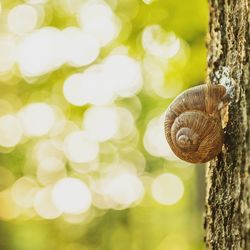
(80, 48)
(167, 189)
(154, 139)
(118, 190)
(22, 19)
(23, 191)
(118, 75)
(97, 19)
(41, 52)
(10, 131)
(37, 119)
(7, 52)
(124, 73)
(79, 147)
(101, 123)
(71, 196)
(44, 205)
(50, 170)
(159, 43)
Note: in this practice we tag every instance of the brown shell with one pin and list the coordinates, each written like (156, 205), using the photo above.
(192, 124)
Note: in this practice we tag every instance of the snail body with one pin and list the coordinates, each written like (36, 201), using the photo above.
(193, 124)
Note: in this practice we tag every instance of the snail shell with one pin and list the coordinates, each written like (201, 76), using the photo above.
(193, 124)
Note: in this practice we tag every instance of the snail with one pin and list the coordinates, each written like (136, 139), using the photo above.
(193, 124)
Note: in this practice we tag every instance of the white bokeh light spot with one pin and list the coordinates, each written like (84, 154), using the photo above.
(98, 89)
(24, 190)
(10, 131)
(91, 87)
(97, 19)
(81, 48)
(124, 73)
(71, 195)
(119, 189)
(44, 205)
(7, 52)
(79, 147)
(159, 43)
(50, 169)
(101, 123)
(167, 189)
(154, 139)
(37, 119)
(22, 19)
(73, 90)
(125, 189)
(126, 123)
(41, 52)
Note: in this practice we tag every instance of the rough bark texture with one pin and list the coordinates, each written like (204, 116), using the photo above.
(227, 218)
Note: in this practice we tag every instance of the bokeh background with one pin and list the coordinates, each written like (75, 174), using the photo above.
(84, 164)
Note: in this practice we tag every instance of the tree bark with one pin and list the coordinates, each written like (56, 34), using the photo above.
(227, 218)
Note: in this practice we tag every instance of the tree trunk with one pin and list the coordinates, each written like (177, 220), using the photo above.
(227, 218)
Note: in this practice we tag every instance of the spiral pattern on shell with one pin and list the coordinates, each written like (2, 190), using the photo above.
(193, 124)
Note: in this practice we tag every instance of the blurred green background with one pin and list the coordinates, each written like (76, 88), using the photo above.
(84, 164)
